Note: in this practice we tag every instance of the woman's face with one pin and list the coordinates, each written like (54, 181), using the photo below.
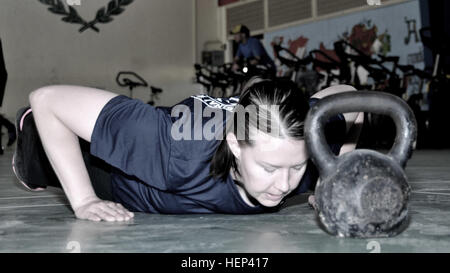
(271, 168)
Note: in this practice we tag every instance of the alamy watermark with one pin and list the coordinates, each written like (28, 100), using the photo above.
(74, 247)
(374, 2)
(73, 2)
(191, 126)
(374, 246)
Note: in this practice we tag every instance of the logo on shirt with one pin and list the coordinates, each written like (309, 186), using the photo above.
(206, 123)
(227, 104)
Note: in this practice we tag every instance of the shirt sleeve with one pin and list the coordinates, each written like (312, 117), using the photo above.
(134, 137)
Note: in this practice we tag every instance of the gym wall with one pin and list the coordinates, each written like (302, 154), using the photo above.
(386, 24)
(208, 25)
(153, 38)
(393, 30)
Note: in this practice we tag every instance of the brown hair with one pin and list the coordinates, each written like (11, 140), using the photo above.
(292, 109)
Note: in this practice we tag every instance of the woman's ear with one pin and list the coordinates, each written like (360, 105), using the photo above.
(234, 145)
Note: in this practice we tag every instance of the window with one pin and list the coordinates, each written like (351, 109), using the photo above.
(250, 14)
(326, 6)
(287, 11)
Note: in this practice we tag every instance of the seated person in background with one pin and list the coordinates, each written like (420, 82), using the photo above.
(250, 49)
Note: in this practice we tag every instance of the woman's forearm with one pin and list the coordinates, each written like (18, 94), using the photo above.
(353, 135)
(354, 121)
(62, 114)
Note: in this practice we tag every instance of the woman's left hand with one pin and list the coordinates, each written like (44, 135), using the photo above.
(312, 202)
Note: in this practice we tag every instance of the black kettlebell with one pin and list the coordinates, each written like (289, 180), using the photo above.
(362, 193)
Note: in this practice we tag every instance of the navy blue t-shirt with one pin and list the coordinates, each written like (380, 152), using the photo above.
(162, 161)
(253, 48)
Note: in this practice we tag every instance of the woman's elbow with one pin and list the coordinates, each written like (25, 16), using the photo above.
(335, 89)
(41, 96)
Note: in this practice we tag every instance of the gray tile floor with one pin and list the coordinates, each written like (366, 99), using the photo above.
(43, 222)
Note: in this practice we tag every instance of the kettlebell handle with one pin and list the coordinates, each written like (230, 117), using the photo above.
(359, 101)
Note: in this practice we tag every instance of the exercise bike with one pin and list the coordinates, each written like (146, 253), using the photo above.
(215, 82)
(132, 80)
(307, 80)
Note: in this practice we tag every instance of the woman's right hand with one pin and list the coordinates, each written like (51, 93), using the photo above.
(101, 210)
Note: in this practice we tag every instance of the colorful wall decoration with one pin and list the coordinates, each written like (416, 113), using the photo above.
(392, 30)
